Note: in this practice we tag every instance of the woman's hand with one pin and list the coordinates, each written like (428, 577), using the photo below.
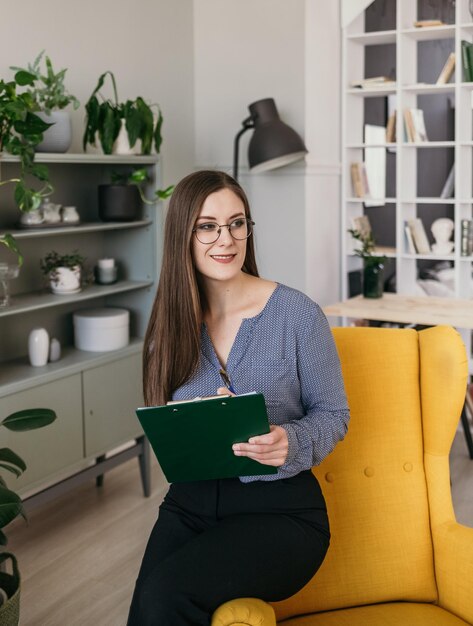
(269, 449)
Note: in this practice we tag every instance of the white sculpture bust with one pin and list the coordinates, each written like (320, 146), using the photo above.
(442, 230)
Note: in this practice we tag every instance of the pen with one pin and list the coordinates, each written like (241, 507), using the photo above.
(226, 381)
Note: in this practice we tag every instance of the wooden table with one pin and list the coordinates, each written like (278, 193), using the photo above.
(395, 307)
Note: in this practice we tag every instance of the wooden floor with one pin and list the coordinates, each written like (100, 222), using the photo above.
(79, 555)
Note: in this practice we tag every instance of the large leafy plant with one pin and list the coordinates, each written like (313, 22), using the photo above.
(48, 90)
(105, 119)
(10, 502)
(20, 132)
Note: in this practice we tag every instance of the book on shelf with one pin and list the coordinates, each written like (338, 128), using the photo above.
(375, 81)
(362, 224)
(410, 247)
(391, 129)
(419, 235)
(428, 23)
(447, 70)
(449, 185)
(415, 126)
(359, 180)
(466, 237)
(467, 60)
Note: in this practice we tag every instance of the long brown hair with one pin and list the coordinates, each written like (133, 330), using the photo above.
(172, 341)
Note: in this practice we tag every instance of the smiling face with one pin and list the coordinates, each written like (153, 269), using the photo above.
(222, 260)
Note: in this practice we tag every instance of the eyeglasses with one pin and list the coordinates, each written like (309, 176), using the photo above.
(209, 232)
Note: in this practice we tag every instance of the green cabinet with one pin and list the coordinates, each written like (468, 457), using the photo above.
(109, 408)
(49, 450)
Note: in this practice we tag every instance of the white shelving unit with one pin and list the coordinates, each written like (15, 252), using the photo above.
(407, 89)
(94, 394)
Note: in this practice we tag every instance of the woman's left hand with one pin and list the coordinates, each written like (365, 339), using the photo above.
(269, 449)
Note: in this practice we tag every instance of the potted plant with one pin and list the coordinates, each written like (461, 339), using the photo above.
(121, 128)
(64, 271)
(11, 507)
(373, 265)
(50, 98)
(121, 200)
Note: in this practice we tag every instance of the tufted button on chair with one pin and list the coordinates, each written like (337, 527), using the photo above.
(397, 555)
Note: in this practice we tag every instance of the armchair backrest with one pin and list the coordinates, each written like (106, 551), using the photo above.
(375, 482)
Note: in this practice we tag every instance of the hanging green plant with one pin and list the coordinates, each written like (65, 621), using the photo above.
(20, 132)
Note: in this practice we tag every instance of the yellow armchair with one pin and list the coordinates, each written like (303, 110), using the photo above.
(397, 555)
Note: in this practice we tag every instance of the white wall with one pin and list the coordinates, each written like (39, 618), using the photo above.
(146, 43)
(245, 50)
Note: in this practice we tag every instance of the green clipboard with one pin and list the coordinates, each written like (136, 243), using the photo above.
(193, 440)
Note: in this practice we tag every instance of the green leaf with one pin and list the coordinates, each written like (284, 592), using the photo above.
(12, 469)
(139, 176)
(109, 126)
(24, 78)
(32, 125)
(146, 134)
(10, 506)
(10, 242)
(92, 109)
(10, 457)
(133, 123)
(29, 419)
(157, 133)
(40, 171)
(165, 193)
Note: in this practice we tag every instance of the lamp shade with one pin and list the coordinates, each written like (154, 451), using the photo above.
(273, 143)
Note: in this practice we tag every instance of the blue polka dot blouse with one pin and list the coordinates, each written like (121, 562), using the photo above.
(286, 352)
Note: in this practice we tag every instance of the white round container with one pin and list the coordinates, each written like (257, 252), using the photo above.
(101, 330)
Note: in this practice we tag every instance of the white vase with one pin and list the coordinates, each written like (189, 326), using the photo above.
(65, 280)
(38, 347)
(58, 137)
(121, 144)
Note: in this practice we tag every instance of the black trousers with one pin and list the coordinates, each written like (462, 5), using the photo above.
(221, 539)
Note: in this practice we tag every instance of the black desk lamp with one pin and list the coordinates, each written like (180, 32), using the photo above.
(273, 143)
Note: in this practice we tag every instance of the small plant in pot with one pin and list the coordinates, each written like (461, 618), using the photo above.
(373, 265)
(122, 200)
(121, 128)
(50, 98)
(64, 271)
(11, 507)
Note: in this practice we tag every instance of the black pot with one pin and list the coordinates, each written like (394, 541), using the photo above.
(119, 203)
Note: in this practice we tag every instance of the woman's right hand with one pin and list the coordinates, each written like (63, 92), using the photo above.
(224, 391)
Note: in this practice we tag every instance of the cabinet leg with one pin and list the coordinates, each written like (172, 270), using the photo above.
(99, 479)
(467, 431)
(145, 466)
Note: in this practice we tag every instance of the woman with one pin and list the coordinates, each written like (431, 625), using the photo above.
(216, 325)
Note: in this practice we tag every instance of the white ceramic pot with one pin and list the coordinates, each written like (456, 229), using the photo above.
(65, 280)
(38, 347)
(56, 138)
(122, 143)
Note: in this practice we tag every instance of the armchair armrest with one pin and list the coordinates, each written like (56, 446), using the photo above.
(244, 612)
(453, 550)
